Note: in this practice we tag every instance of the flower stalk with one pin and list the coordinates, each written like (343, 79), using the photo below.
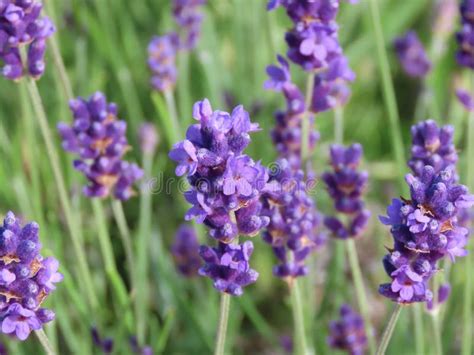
(45, 342)
(387, 334)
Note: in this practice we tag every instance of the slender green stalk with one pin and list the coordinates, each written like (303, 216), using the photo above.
(360, 290)
(419, 329)
(305, 126)
(113, 275)
(119, 216)
(59, 64)
(388, 90)
(173, 114)
(437, 332)
(339, 125)
(222, 327)
(387, 334)
(44, 342)
(466, 348)
(301, 347)
(74, 227)
(144, 229)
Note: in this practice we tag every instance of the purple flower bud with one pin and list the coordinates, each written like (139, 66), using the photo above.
(185, 250)
(188, 17)
(412, 55)
(348, 333)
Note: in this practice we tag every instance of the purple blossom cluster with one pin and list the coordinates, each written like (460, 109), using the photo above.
(432, 145)
(26, 278)
(228, 266)
(21, 24)
(465, 36)
(425, 229)
(286, 134)
(293, 231)
(188, 17)
(314, 45)
(97, 136)
(162, 61)
(162, 50)
(345, 186)
(226, 185)
(348, 333)
(412, 55)
(185, 251)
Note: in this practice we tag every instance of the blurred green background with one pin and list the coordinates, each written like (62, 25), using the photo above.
(103, 44)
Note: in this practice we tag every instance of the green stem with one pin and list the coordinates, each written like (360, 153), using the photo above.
(419, 329)
(387, 334)
(388, 90)
(59, 64)
(467, 319)
(339, 125)
(144, 229)
(74, 227)
(44, 342)
(437, 332)
(119, 216)
(360, 290)
(222, 328)
(301, 347)
(173, 114)
(305, 126)
(113, 275)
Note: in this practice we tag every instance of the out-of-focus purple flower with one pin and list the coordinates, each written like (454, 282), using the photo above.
(466, 99)
(97, 136)
(185, 250)
(432, 145)
(348, 333)
(188, 16)
(304, 12)
(137, 349)
(21, 24)
(425, 229)
(26, 279)
(294, 229)
(148, 137)
(412, 55)
(286, 342)
(226, 186)
(465, 36)
(162, 61)
(345, 186)
(105, 344)
(228, 266)
(443, 294)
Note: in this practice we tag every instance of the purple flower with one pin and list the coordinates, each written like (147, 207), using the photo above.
(26, 278)
(105, 344)
(226, 186)
(148, 137)
(98, 138)
(21, 24)
(228, 266)
(425, 229)
(307, 11)
(345, 185)
(294, 228)
(137, 349)
(443, 294)
(465, 99)
(185, 250)
(412, 55)
(465, 36)
(162, 61)
(432, 145)
(348, 333)
(19, 321)
(188, 16)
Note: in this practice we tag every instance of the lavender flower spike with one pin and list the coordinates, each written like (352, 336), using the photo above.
(348, 333)
(162, 61)
(432, 145)
(185, 250)
(188, 17)
(21, 24)
(345, 186)
(98, 138)
(226, 186)
(465, 36)
(425, 229)
(412, 55)
(26, 278)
